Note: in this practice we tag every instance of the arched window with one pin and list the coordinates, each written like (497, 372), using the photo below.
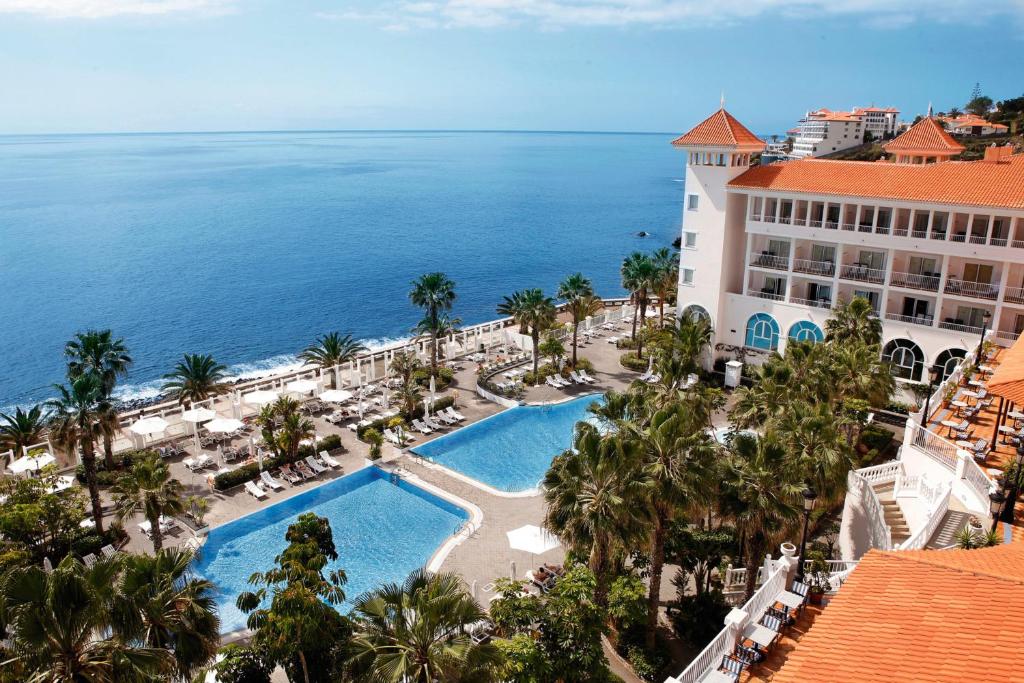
(762, 332)
(906, 358)
(805, 330)
(696, 312)
(948, 360)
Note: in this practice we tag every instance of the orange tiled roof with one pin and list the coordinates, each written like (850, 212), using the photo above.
(721, 129)
(972, 120)
(930, 615)
(927, 135)
(826, 115)
(970, 183)
(1008, 379)
(887, 110)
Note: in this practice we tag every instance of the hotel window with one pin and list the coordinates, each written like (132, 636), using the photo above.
(687, 278)
(977, 272)
(691, 202)
(905, 358)
(689, 240)
(762, 332)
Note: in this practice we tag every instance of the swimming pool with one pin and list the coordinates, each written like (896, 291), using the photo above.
(382, 531)
(512, 450)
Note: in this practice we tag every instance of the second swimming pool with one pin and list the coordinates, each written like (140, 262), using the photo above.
(512, 450)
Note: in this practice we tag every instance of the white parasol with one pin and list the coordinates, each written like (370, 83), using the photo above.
(31, 463)
(302, 386)
(532, 539)
(197, 415)
(260, 397)
(224, 425)
(148, 426)
(335, 396)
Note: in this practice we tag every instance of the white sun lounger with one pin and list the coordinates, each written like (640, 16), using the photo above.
(314, 465)
(454, 413)
(255, 491)
(575, 377)
(108, 551)
(561, 381)
(445, 418)
(267, 479)
(89, 560)
(612, 340)
(433, 424)
(421, 428)
(550, 381)
(331, 462)
(391, 437)
(586, 377)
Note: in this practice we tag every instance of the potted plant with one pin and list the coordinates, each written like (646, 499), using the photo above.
(816, 575)
(376, 441)
(196, 508)
(974, 524)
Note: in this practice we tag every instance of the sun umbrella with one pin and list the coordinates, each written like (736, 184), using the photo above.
(336, 395)
(31, 463)
(302, 386)
(62, 483)
(224, 425)
(532, 539)
(198, 415)
(149, 425)
(260, 397)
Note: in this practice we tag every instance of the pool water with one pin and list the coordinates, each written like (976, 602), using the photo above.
(512, 450)
(382, 531)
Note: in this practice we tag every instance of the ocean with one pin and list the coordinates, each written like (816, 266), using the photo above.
(248, 245)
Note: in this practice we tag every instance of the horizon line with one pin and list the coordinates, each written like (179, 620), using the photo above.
(341, 130)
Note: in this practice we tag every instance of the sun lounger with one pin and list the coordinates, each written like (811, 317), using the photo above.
(421, 428)
(328, 460)
(89, 560)
(445, 418)
(979, 448)
(304, 470)
(433, 424)
(108, 551)
(391, 437)
(574, 376)
(255, 491)
(314, 465)
(456, 414)
(612, 340)
(587, 378)
(550, 381)
(291, 476)
(270, 481)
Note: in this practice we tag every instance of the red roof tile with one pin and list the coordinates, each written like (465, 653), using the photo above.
(932, 615)
(927, 135)
(971, 183)
(721, 129)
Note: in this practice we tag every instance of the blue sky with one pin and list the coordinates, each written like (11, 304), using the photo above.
(636, 65)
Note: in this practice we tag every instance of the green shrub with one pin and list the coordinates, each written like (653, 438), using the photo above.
(629, 361)
(242, 665)
(441, 381)
(240, 475)
(376, 441)
(122, 462)
(698, 618)
(627, 602)
(584, 364)
(644, 664)
(626, 343)
(874, 437)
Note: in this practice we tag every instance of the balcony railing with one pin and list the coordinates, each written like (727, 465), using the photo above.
(854, 271)
(929, 283)
(1007, 334)
(849, 227)
(772, 296)
(865, 227)
(816, 303)
(919, 234)
(1018, 244)
(770, 261)
(977, 290)
(998, 241)
(1014, 295)
(924, 320)
(959, 327)
(978, 239)
(832, 225)
(823, 268)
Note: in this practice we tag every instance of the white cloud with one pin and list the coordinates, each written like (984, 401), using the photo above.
(556, 14)
(100, 9)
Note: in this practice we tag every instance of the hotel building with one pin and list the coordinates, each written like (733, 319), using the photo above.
(824, 132)
(936, 246)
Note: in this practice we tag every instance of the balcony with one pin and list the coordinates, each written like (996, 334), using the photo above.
(928, 282)
(958, 326)
(766, 260)
(766, 294)
(975, 290)
(923, 320)
(1014, 295)
(822, 268)
(816, 303)
(861, 273)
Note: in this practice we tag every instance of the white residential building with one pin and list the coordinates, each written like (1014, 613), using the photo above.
(824, 132)
(936, 246)
(881, 122)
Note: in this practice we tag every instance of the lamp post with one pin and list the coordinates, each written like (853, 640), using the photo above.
(810, 496)
(995, 506)
(981, 342)
(933, 376)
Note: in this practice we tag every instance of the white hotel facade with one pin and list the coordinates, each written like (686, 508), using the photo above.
(937, 246)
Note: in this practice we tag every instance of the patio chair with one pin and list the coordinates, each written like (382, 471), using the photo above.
(255, 491)
(732, 666)
(774, 620)
(800, 589)
(314, 465)
(267, 479)
(89, 560)
(328, 460)
(108, 551)
(421, 428)
(748, 655)
(979, 448)
(304, 470)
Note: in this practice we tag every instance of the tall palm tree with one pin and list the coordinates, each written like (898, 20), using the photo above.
(813, 436)
(854, 320)
(639, 277)
(534, 313)
(417, 632)
(578, 293)
(79, 412)
(196, 377)
(60, 624)
(435, 294)
(98, 352)
(691, 336)
(595, 496)
(22, 429)
(666, 263)
(330, 350)
(859, 373)
(765, 487)
(148, 487)
(676, 451)
(163, 605)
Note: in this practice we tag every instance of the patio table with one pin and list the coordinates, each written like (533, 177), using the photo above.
(966, 445)
(976, 383)
(1007, 431)
(950, 425)
(762, 635)
(969, 394)
(1015, 415)
(959, 405)
(790, 599)
(716, 676)
(987, 369)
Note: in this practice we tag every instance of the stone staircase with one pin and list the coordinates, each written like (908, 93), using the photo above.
(893, 515)
(945, 535)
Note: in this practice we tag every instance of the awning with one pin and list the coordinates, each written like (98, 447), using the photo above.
(1008, 379)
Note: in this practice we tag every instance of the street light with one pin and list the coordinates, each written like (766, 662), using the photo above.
(810, 496)
(984, 328)
(933, 376)
(995, 506)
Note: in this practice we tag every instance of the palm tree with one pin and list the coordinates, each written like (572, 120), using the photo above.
(196, 377)
(148, 487)
(331, 350)
(96, 351)
(639, 277)
(595, 496)
(435, 294)
(293, 431)
(854, 321)
(163, 605)
(691, 336)
(417, 632)
(22, 429)
(764, 486)
(859, 373)
(80, 410)
(666, 263)
(60, 624)
(534, 313)
(578, 293)
(812, 434)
